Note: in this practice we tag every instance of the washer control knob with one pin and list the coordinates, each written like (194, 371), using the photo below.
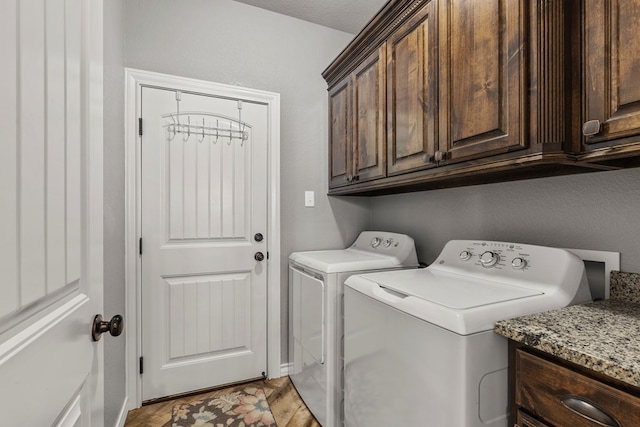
(465, 255)
(489, 259)
(519, 263)
(375, 242)
(387, 243)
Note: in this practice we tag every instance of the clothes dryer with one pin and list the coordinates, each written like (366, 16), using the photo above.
(316, 281)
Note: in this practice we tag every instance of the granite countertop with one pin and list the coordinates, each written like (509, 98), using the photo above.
(603, 336)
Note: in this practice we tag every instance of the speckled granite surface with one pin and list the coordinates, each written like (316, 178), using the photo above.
(603, 336)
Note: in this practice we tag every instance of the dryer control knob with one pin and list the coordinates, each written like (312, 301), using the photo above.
(375, 242)
(518, 263)
(489, 259)
(465, 255)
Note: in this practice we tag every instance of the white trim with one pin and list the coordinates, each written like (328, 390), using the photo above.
(285, 369)
(611, 261)
(135, 79)
(122, 417)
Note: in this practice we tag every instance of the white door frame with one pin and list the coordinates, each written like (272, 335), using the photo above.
(135, 79)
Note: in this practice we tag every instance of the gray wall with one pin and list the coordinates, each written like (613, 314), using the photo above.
(114, 291)
(598, 211)
(228, 42)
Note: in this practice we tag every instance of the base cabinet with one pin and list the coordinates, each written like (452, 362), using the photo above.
(549, 393)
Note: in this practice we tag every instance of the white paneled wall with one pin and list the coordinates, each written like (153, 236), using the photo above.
(41, 115)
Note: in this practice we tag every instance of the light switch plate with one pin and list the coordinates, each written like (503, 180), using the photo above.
(309, 199)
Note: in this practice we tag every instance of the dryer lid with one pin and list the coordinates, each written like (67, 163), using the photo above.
(338, 261)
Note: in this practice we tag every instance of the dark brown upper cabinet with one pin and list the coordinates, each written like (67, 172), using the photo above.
(611, 68)
(357, 120)
(411, 94)
(340, 150)
(482, 78)
(476, 91)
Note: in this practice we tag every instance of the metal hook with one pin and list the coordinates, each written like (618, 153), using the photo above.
(188, 126)
(241, 129)
(230, 132)
(200, 140)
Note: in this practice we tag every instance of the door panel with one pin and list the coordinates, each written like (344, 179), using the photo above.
(51, 221)
(369, 126)
(340, 160)
(203, 198)
(612, 66)
(482, 74)
(411, 89)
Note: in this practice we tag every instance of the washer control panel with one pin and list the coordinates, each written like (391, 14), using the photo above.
(494, 254)
(507, 261)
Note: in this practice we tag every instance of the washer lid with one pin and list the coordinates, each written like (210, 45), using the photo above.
(460, 304)
(450, 290)
(340, 260)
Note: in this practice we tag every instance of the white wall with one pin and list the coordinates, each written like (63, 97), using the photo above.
(228, 42)
(597, 211)
(114, 290)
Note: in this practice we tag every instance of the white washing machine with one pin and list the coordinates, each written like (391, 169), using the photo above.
(316, 282)
(419, 344)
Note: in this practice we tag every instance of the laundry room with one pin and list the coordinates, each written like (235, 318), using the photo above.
(290, 70)
(238, 44)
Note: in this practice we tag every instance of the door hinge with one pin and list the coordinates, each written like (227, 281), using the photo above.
(140, 126)
(140, 246)
(141, 365)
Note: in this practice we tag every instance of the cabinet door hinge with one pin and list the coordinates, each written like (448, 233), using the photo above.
(141, 365)
(140, 126)
(140, 246)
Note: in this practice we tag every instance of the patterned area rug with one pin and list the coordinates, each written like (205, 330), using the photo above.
(246, 408)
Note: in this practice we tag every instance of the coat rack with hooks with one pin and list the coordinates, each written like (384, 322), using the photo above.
(201, 131)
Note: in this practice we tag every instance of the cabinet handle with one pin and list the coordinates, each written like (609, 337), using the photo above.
(349, 178)
(441, 156)
(588, 410)
(428, 158)
(592, 127)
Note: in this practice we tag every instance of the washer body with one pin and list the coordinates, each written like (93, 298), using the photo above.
(419, 344)
(316, 281)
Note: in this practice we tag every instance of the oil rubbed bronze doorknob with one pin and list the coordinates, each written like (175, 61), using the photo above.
(259, 256)
(114, 326)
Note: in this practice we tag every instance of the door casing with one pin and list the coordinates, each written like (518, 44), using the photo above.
(135, 79)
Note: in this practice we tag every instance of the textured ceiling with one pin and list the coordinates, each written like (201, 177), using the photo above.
(345, 15)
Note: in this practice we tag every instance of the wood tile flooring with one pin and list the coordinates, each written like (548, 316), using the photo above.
(287, 407)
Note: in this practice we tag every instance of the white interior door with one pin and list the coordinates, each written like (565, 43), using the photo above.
(204, 198)
(51, 215)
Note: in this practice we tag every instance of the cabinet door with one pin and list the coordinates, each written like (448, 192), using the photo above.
(368, 120)
(563, 397)
(411, 89)
(340, 160)
(525, 420)
(483, 85)
(612, 68)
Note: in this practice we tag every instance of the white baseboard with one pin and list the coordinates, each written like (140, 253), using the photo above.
(123, 414)
(285, 368)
